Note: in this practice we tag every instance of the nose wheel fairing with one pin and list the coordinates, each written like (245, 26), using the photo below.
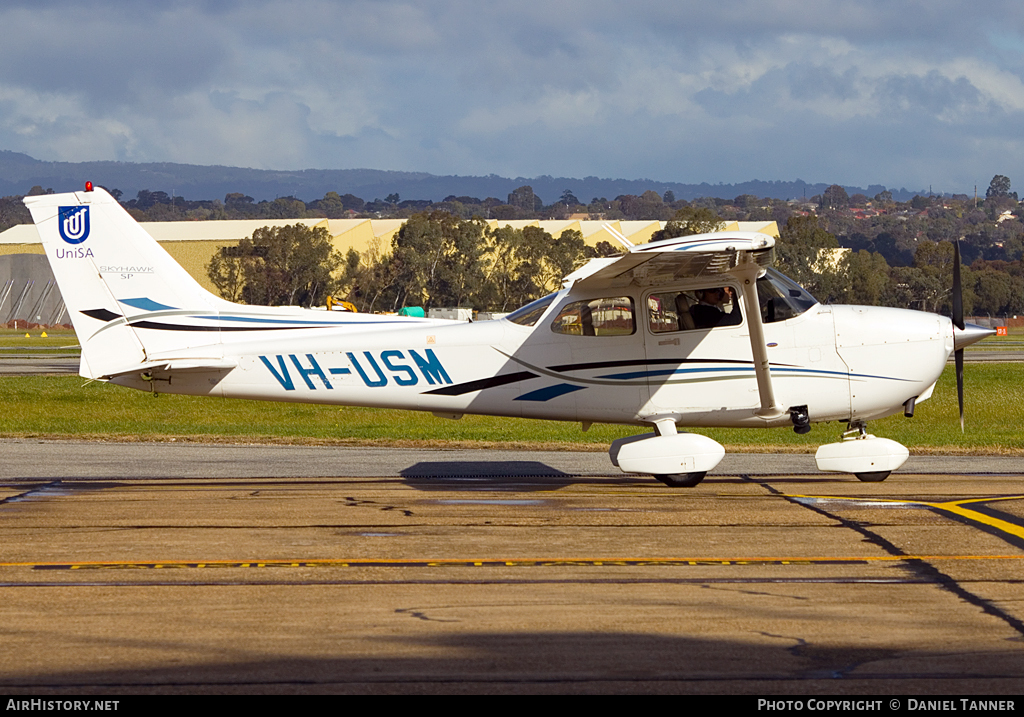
(868, 457)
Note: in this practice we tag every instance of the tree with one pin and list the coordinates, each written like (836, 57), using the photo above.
(283, 208)
(568, 199)
(563, 256)
(330, 206)
(630, 205)
(604, 248)
(365, 277)
(651, 206)
(436, 260)
(869, 278)
(810, 255)
(352, 274)
(999, 187)
(835, 197)
(524, 199)
(352, 202)
(525, 264)
(999, 198)
(933, 263)
(234, 198)
(334, 206)
(912, 288)
(687, 222)
(227, 272)
(277, 266)
(13, 211)
(502, 211)
(515, 258)
(995, 291)
(747, 201)
(237, 204)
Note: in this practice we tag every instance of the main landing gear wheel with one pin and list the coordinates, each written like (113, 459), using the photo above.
(682, 480)
(873, 477)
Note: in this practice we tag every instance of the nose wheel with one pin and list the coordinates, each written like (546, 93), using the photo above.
(873, 477)
(682, 480)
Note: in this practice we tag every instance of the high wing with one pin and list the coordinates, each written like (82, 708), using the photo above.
(744, 255)
(667, 261)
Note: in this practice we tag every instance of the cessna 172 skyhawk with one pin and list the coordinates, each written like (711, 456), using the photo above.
(698, 331)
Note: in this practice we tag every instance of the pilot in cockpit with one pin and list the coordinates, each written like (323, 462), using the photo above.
(710, 311)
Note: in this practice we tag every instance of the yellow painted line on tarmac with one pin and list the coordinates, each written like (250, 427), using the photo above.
(1002, 526)
(955, 507)
(491, 562)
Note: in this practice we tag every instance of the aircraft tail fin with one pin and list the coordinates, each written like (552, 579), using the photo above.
(110, 273)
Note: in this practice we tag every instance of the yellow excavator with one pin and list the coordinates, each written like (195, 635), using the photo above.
(334, 304)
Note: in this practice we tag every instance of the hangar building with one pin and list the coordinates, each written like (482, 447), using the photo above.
(192, 244)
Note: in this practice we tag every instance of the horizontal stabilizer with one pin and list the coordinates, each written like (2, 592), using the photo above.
(194, 365)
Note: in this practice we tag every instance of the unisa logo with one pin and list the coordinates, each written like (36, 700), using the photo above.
(73, 224)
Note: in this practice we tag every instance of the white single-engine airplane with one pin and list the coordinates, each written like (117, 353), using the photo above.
(698, 331)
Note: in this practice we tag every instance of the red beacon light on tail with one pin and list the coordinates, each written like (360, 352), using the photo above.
(88, 186)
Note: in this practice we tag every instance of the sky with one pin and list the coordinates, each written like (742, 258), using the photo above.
(855, 92)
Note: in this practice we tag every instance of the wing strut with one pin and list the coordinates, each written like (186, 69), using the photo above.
(747, 272)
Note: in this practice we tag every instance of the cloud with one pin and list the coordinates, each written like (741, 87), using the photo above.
(854, 92)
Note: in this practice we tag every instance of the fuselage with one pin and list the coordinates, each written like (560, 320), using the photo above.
(842, 362)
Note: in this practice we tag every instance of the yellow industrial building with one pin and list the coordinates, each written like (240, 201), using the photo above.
(192, 244)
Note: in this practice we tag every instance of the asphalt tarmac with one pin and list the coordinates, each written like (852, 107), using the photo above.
(39, 365)
(183, 568)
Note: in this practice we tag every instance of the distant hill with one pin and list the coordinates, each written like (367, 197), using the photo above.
(20, 172)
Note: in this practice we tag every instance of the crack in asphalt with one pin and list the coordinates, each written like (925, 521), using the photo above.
(359, 502)
(754, 592)
(420, 615)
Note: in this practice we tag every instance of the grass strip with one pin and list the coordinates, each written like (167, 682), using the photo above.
(62, 407)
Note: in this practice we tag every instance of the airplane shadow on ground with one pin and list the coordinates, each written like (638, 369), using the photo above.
(597, 661)
(521, 476)
(493, 475)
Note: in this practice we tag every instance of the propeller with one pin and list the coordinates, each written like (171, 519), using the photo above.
(963, 334)
(958, 322)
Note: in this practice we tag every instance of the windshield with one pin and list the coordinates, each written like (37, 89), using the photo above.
(781, 298)
(528, 315)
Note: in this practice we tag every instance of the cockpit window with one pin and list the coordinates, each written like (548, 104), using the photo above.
(781, 298)
(529, 314)
(596, 317)
(703, 308)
